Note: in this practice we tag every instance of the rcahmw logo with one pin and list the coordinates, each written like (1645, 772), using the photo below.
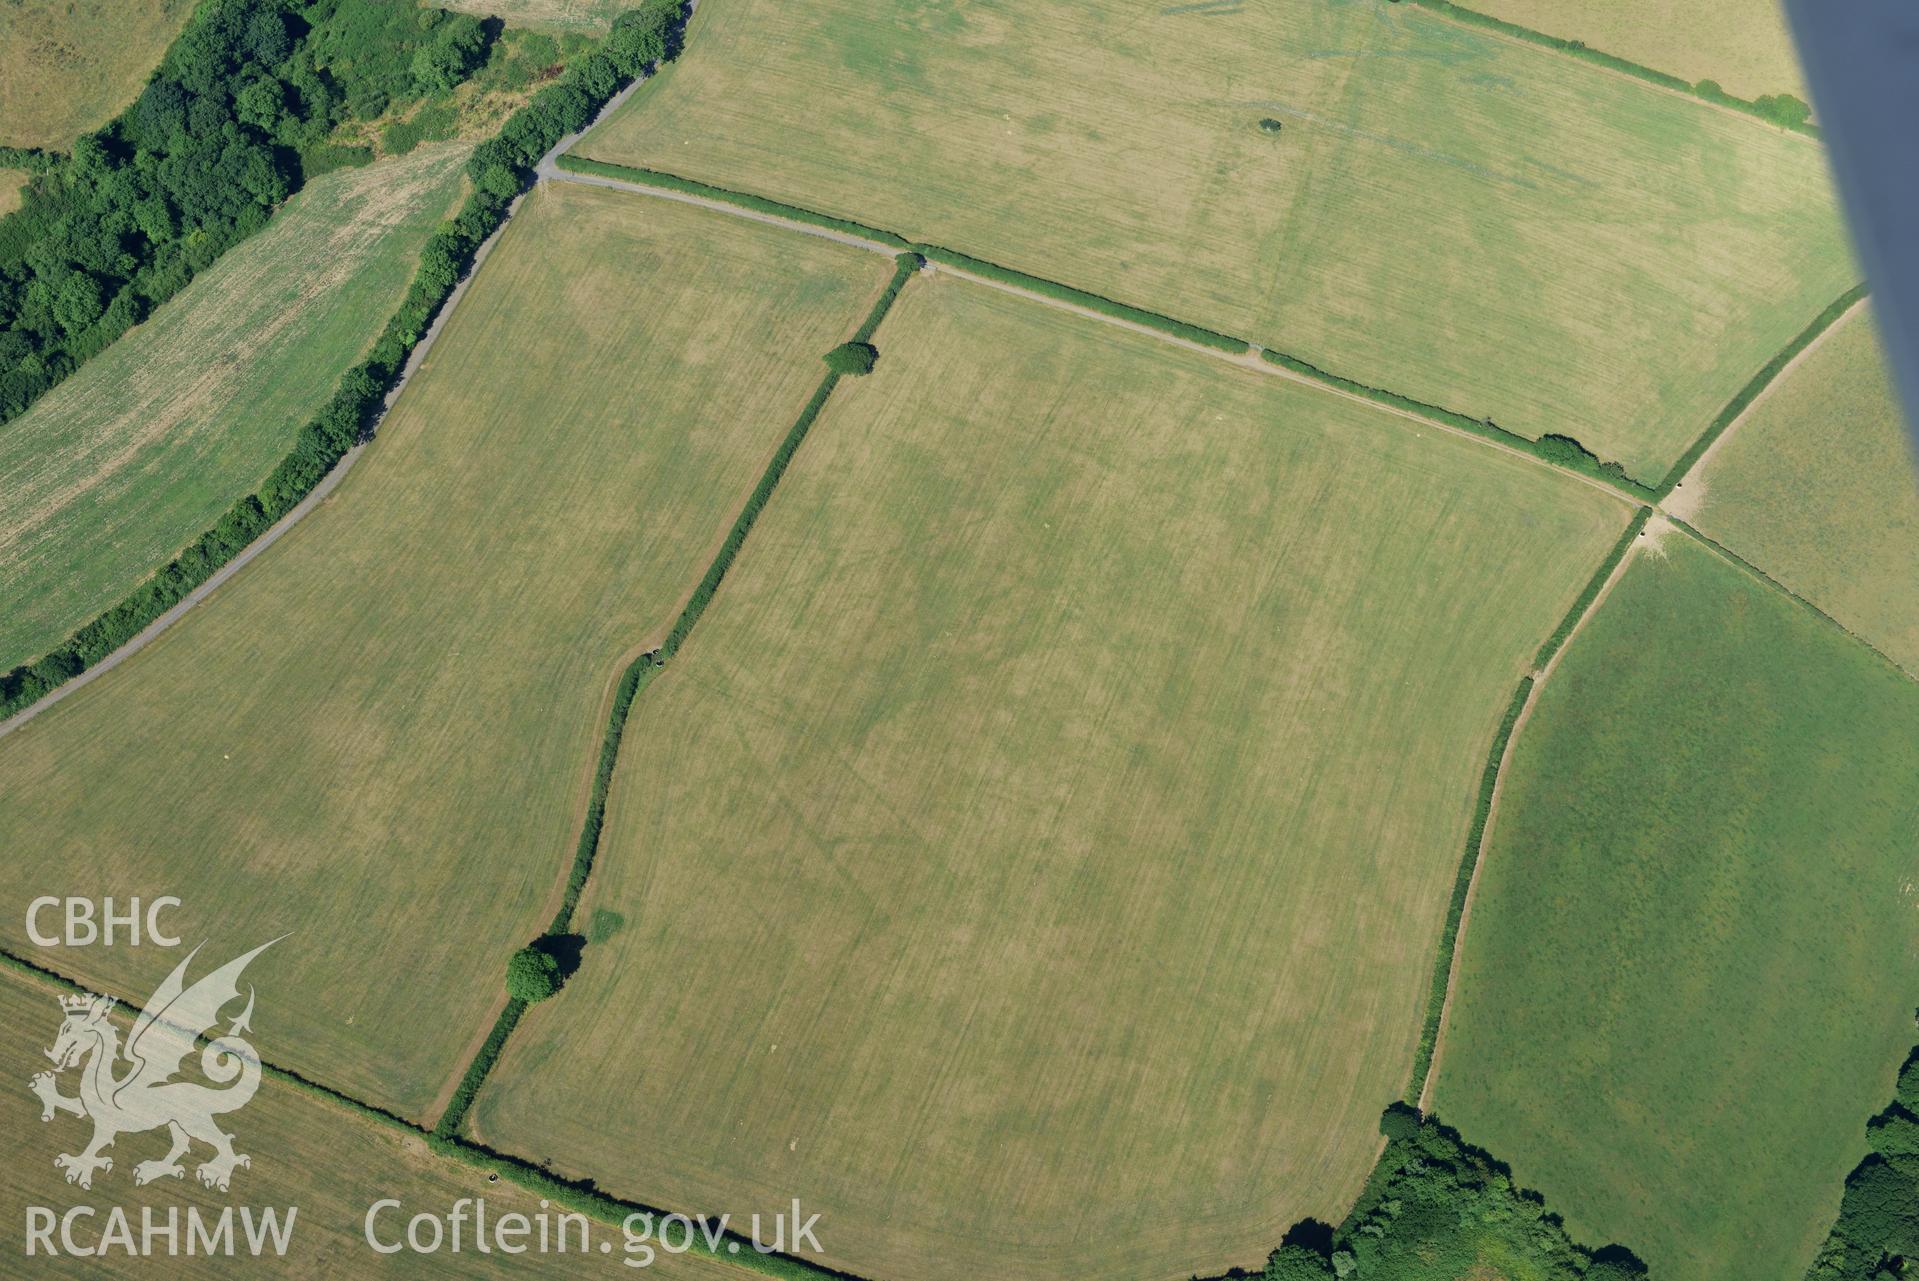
(137, 1088)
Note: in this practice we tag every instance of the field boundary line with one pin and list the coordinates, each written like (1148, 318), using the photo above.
(1699, 464)
(550, 170)
(1760, 574)
(1253, 356)
(1579, 51)
(1757, 386)
(640, 673)
(581, 1195)
(151, 632)
(1256, 360)
(54, 978)
(1432, 1034)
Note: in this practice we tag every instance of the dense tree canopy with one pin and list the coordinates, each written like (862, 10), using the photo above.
(1439, 1209)
(129, 267)
(237, 114)
(1877, 1233)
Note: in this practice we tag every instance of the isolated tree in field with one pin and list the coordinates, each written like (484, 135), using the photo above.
(532, 975)
(853, 358)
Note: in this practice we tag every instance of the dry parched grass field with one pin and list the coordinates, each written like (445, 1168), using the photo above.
(379, 735)
(122, 465)
(558, 15)
(68, 66)
(326, 1161)
(1817, 487)
(1688, 977)
(12, 183)
(1562, 248)
(1743, 44)
(1035, 859)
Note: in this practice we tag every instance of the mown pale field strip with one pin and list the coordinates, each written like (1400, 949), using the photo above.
(379, 735)
(1689, 973)
(1562, 248)
(122, 465)
(559, 15)
(1819, 488)
(317, 1156)
(69, 66)
(12, 183)
(1743, 44)
(1035, 859)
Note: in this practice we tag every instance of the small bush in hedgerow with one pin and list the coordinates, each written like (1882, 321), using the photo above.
(852, 358)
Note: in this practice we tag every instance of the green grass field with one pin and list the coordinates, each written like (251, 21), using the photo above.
(1743, 44)
(329, 1163)
(69, 66)
(1035, 858)
(125, 463)
(1818, 488)
(1688, 975)
(1560, 247)
(380, 735)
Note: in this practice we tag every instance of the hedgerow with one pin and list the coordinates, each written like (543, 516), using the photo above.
(1483, 803)
(743, 524)
(934, 253)
(500, 169)
(567, 1193)
(1756, 384)
(1780, 109)
(632, 681)
(1462, 882)
(476, 1072)
(739, 199)
(639, 673)
(1080, 298)
(903, 268)
(585, 1198)
(1593, 587)
(1561, 451)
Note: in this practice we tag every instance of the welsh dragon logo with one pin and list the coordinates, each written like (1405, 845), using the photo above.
(132, 1090)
